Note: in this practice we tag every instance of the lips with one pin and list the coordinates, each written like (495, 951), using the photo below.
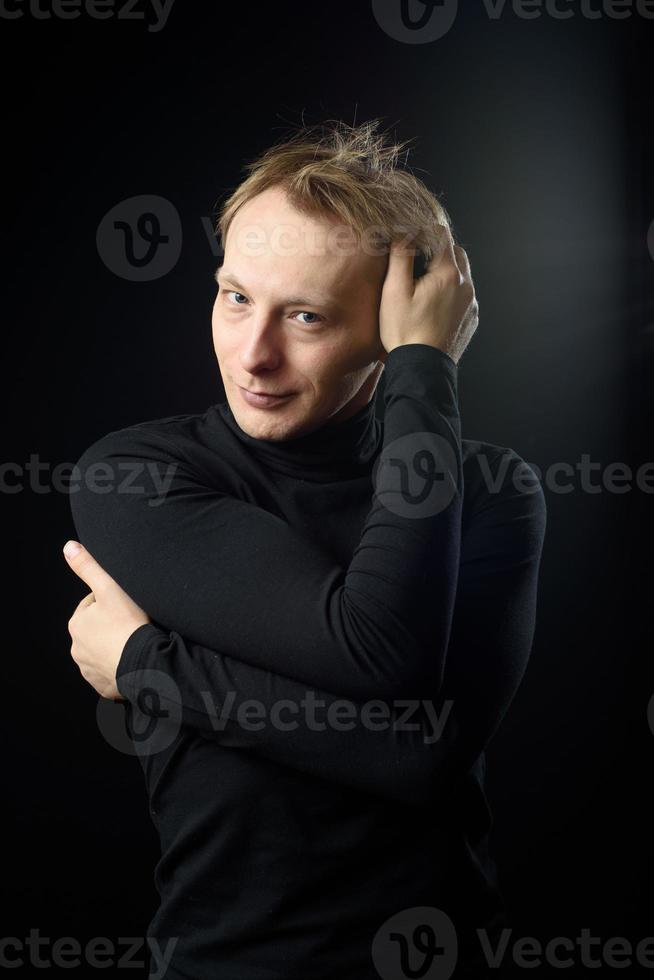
(267, 394)
(260, 400)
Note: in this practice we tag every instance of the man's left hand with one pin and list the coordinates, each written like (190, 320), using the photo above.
(101, 624)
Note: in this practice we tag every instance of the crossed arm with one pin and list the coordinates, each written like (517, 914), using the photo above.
(199, 562)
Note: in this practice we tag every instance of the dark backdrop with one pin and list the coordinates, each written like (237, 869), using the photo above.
(537, 133)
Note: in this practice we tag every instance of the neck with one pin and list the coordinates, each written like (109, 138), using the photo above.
(342, 448)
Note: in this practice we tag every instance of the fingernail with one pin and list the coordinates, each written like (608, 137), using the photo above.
(71, 548)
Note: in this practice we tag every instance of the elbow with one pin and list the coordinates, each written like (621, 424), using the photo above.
(439, 755)
(422, 786)
(416, 677)
(88, 488)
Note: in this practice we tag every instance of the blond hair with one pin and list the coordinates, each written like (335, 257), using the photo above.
(350, 172)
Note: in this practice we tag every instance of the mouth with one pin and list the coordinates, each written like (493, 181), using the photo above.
(262, 399)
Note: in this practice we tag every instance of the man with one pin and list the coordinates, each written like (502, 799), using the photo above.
(375, 578)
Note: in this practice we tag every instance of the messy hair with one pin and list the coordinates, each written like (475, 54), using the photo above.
(351, 172)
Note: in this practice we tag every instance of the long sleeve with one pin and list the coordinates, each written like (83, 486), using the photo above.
(410, 753)
(404, 752)
(233, 577)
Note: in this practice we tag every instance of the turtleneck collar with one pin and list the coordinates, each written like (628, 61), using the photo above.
(336, 450)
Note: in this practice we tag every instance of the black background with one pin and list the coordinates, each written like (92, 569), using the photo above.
(537, 134)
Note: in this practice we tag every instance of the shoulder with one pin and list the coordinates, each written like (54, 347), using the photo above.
(489, 469)
(173, 437)
(188, 450)
(173, 457)
(500, 485)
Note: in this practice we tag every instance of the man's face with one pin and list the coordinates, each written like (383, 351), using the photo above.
(293, 323)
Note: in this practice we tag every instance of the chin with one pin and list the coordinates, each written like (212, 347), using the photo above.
(258, 424)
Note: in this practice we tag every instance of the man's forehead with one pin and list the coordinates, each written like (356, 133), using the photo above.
(269, 227)
(326, 274)
(328, 250)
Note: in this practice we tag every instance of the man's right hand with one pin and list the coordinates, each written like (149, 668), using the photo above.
(439, 309)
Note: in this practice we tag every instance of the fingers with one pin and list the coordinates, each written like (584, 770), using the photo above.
(399, 272)
(86, 601)
(463, 263)
(443, 258)
(464, 266)
(446, 257)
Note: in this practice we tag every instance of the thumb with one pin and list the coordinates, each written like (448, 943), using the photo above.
(84, 564)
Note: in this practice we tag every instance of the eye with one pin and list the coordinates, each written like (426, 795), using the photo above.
(308, 313)
(301, 313)
(235, 294)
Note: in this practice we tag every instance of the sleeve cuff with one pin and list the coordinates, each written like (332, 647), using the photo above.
(132, 659)
(410, 353)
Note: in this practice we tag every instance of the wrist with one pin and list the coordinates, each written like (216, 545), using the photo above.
(423, 342)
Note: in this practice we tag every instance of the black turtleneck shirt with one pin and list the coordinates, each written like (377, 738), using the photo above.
(339, 623)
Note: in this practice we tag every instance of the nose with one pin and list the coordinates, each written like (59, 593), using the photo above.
(262, 343)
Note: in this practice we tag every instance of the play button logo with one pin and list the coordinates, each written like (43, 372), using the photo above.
(415, 21)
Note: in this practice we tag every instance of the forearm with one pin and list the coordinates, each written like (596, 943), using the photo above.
(403, 751)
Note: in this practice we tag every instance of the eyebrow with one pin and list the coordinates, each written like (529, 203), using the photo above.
(297, 300)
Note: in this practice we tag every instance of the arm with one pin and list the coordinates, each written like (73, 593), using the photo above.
(407, 757)
(389, 750)
(222, 572)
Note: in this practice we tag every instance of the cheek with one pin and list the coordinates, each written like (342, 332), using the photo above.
(220, 335)
(334, 370)
(216, 343)
(214, 325)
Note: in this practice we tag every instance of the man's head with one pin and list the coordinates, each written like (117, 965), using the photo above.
(306, 240)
